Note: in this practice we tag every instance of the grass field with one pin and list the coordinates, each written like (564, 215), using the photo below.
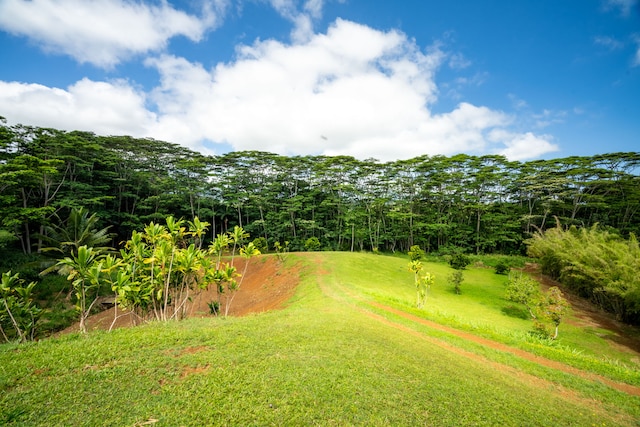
(349, 349)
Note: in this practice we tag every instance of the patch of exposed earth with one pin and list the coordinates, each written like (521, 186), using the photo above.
(266, 286)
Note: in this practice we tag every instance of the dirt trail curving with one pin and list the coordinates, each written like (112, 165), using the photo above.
(266, 286)
(344, 295)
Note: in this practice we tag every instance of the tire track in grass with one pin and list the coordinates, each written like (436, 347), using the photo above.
(626, 388)
(345, 296)
(623, 387)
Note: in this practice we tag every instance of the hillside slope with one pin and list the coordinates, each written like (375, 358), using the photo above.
(344, 351)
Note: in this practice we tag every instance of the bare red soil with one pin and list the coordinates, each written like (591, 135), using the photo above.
(266, 286)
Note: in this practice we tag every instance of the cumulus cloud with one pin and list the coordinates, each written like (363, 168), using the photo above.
(114, 108)
(522, 146)
(104, 32)
(353, 90)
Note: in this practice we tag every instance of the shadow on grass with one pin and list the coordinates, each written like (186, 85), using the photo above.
(513, 311)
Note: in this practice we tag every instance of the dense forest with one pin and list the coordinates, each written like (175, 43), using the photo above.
(474, 204)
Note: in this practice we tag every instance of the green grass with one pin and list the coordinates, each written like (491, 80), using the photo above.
(327, 359)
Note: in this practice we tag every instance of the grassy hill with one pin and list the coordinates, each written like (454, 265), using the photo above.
(349, 349)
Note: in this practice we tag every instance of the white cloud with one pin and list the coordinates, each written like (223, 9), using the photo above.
(624, 6)
(105, 108)
(103, 32)
(522, 146)
(608, 42)
(353, 90)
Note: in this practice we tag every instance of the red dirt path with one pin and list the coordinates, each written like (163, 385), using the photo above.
(266, 286)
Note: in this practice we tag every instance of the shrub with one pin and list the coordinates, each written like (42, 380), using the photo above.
(415, 253)
(312, 244)
(459, 261)
(261, 244)
(502, 267)
(456, 278)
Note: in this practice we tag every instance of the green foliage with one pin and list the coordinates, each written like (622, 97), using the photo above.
(281, 250)
(459, 261)
(6, 238)
(550, 306)
(455, 279)
(524, 290)
(163, 267)
(416, 253)
(475, 204)
(423, 282)
(502, 267)
(594, 263)
(84, 270)
(304, 365)
(312, 244)
(19, 314)
(261, 244)
(64, 237)
(553, 307)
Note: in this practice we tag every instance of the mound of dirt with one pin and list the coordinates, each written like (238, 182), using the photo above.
(266, 286)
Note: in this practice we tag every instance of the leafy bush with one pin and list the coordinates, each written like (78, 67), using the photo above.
(6, 238)
(261, 244)
(416, 253)
(502, 267)
(312, 244)
(459, 261)
(456, 278)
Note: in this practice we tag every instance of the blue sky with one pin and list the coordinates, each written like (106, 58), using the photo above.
(369, 78)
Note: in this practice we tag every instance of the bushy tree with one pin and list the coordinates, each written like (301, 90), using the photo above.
(502, 267)
(261, 244)
(549, 306)
(524, 290)
(416, 253)
(312, 244)
(459, 261)
(554, 307)
(455, 279)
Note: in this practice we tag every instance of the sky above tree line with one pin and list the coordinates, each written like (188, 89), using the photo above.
(368, 78)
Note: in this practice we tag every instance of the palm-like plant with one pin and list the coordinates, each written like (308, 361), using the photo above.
(80, 229)
(85, 269)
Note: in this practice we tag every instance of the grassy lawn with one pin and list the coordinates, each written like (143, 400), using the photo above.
(327, 359)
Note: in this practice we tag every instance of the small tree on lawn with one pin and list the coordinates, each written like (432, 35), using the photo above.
(554, 307)
(312, 244)
(455, 279)
(524, 290)
(422, 282)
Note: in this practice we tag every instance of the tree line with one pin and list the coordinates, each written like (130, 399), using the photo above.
(472, 204)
